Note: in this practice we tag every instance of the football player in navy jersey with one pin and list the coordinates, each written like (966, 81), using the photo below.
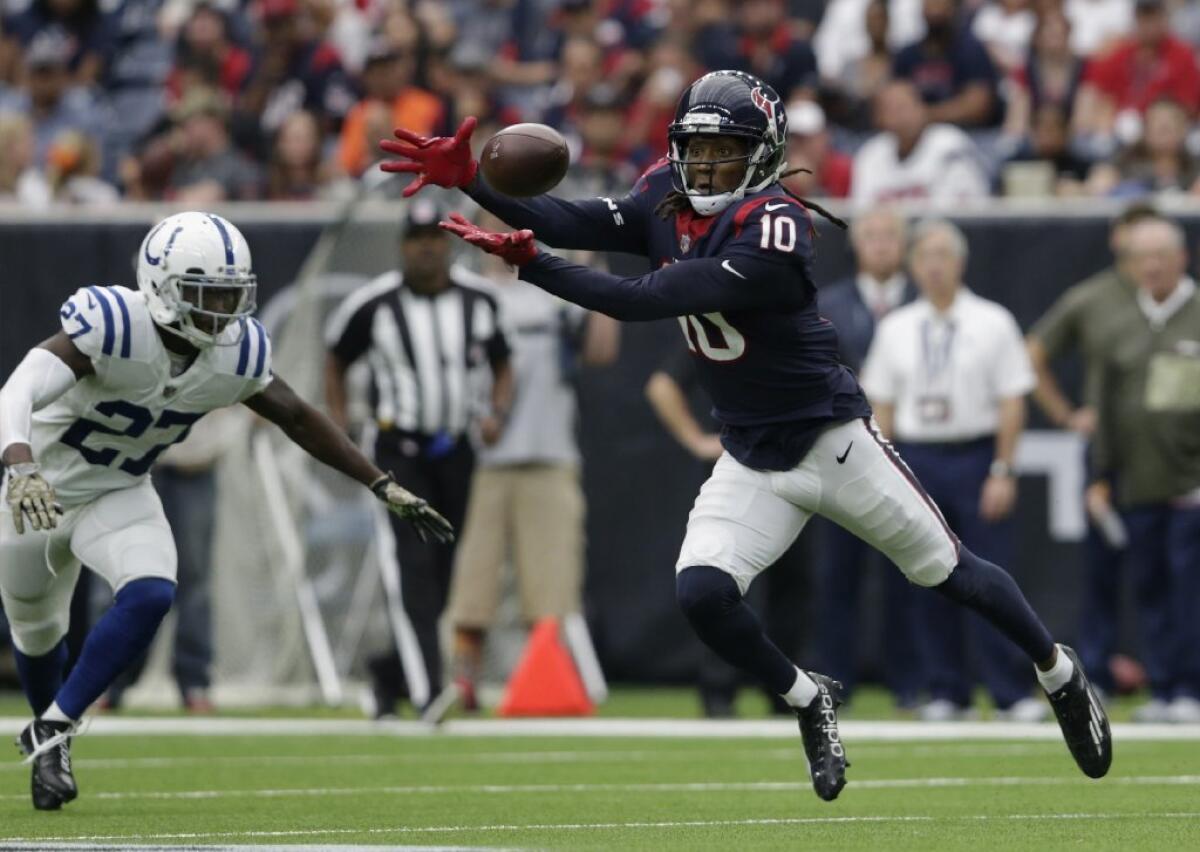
(733, 256)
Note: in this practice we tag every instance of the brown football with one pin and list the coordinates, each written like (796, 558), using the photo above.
(524, 160)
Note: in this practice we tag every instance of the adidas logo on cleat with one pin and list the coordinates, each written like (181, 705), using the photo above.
(828, 713)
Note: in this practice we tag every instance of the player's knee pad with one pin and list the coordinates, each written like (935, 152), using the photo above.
(147, 599)
(704, 592)
(38, 637)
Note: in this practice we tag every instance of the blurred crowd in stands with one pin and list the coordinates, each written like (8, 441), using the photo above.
(198, 101)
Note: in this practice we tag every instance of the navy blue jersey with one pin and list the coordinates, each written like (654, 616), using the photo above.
(740, 283)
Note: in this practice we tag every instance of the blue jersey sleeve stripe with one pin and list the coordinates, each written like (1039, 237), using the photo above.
(261, 334)
(216, 220)
(127, 336)
(109, 326)
(244, 353)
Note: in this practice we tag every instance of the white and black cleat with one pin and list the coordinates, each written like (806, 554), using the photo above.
(47, 745)
(1083, 721)
(822, 744)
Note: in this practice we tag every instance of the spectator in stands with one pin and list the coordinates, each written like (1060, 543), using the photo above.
(1158, 162)
(855, 306)
(72, 171)
(50, 99)
(603, 157)
(1096, 25)
(913, 159)
(1005, 28)
(20, 179)
(810, 147)
(951, 69)
(581, 65)
(1062, 171)
(1150, 65)
(295, 171)
(947, 377)
(860, 79)
(669, 70)
(462, 82)
(293, 70)
(141, 60)
(80, 23)
(10, 56)
(758, 39)
(1146, 462)
(205, 48)
(1049, 77)
(387, 80)
(208, 168)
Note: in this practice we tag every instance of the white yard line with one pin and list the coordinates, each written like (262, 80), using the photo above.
(598, 755)
(668, 787)
(604, 826)
(673, 728)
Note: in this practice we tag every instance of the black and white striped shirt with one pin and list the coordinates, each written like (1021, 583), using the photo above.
(425, 352)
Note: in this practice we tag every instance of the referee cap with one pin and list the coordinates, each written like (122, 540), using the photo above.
(423, 216)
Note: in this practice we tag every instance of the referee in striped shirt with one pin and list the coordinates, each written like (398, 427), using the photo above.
(430, 332)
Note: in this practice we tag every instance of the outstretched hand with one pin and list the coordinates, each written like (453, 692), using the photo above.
(439, 160)
(514, 247)
(429, 524)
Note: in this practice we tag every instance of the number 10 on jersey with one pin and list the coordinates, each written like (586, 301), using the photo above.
(712, 337)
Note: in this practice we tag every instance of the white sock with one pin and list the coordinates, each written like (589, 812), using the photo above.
(803, 691)
(54, 713)
(1059, 674)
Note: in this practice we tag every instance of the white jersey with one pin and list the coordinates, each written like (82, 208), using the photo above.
(943, 166)
(107, 430)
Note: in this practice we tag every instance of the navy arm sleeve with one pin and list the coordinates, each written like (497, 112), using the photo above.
(594, 224)
(701, 286)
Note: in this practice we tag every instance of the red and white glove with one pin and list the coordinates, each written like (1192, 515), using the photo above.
(440, 160)
(514, 247)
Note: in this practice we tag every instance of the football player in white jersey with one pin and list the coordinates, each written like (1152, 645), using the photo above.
(82, 419)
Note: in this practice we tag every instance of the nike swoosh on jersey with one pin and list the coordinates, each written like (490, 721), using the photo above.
(770, 207)
(842, 458)
(728, 267)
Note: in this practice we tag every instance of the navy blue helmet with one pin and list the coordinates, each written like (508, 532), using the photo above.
(729, 103)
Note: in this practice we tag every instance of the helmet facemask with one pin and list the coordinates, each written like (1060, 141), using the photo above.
(762, 166)
(205, 305)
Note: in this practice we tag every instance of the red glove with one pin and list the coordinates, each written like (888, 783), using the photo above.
(515, 247)
(440, 160)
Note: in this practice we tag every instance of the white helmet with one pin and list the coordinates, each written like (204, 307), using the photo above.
(196, 266)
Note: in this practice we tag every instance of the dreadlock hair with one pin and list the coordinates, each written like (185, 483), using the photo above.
(676, 202)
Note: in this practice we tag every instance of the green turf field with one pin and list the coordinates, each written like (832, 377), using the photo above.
(608, 793)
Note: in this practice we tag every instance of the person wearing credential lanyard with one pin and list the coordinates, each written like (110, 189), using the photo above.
(947, 377)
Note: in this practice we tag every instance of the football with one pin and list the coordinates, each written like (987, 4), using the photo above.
(525, 159)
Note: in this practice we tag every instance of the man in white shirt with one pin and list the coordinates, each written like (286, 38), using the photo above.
(947, 377)
(913, 159)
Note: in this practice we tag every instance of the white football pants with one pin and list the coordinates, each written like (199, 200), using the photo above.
(122, 536)
(744, 519)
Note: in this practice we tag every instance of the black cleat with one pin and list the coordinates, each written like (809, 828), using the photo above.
(822, 745)
(1083, 721)
(47, 745)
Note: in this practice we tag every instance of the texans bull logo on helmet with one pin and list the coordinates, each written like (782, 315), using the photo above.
(768, 101)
